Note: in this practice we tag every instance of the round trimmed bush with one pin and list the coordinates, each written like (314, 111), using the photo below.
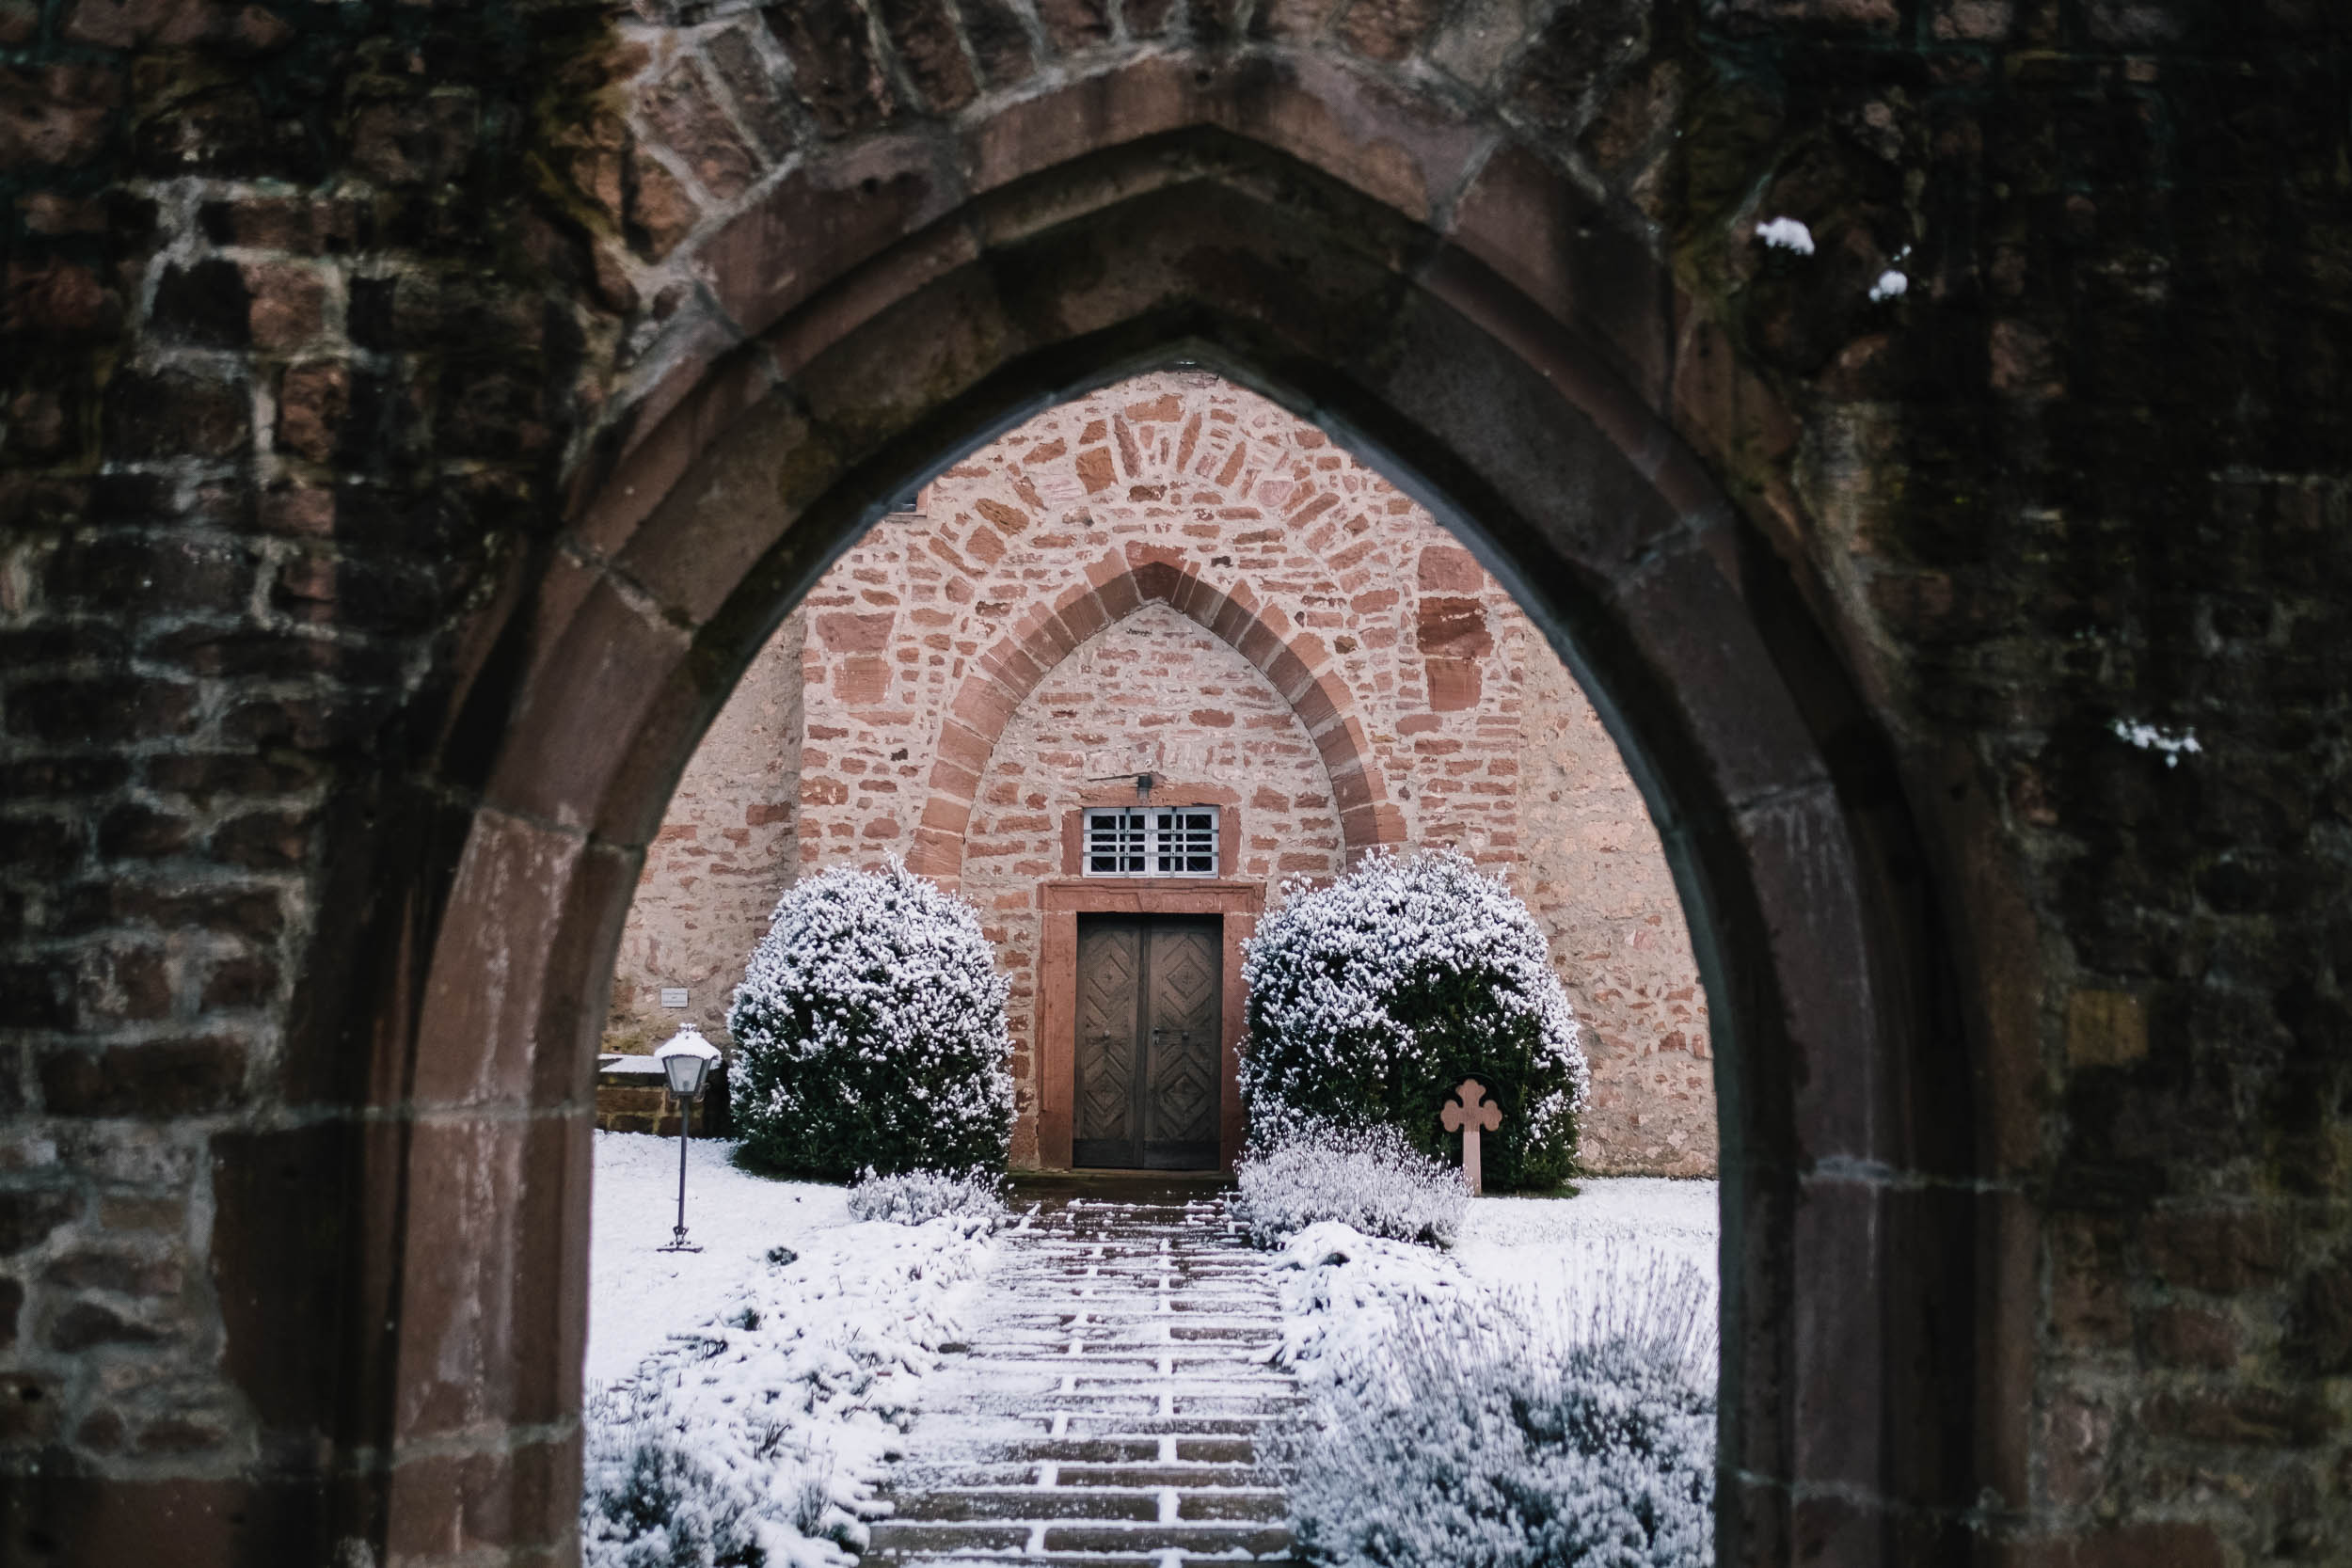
(870, 1031)
(1371, 999)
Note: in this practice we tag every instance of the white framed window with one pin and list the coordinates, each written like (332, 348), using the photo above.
(1152, 840)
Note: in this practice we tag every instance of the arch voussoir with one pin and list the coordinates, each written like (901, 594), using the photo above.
(984, 704)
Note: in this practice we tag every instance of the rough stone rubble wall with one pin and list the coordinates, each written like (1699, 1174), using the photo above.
(303, 304)
(1595, 877)
(728, 845)
(1477, 732)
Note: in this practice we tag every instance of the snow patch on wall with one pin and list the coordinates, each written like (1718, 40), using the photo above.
(2148, 737)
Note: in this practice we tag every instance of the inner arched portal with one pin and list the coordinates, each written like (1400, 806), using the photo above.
(1173, 576)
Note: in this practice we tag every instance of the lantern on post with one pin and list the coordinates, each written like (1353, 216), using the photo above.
(686, 1059)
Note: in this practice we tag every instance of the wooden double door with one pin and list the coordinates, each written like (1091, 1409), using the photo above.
(1151, 1010)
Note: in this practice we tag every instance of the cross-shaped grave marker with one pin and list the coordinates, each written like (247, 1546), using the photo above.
(1466, 1114)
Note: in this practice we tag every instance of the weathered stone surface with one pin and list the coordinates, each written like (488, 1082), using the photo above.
(2077, 495)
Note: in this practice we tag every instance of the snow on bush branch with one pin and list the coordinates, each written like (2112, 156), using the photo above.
(914, 1196)
(870, 1031)
(1449, 1424)
(1371, 999)
(1367, 1177)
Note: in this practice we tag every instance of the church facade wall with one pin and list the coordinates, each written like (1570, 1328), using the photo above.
(1281, 633)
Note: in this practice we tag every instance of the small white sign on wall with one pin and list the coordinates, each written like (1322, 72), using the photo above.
(674, 996)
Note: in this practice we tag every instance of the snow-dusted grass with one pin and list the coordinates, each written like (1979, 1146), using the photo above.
(1368, 1178)
(914, 1196)
(743, 1401)
(1544, 1394)
(1539, 1246)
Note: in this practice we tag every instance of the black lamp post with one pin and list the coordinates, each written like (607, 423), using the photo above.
(686, 1063)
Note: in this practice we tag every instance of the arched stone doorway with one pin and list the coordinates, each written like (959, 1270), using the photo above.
(1849, 1278)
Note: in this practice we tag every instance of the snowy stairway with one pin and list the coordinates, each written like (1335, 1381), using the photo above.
(1108, 1408)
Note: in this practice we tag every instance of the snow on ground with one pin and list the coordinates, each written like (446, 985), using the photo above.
(637, 1295)
(1543, 1244)
(739, 1397)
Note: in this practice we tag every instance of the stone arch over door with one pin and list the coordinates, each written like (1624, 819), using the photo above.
(1292, 660)
(1856, 1426)
(1022, 854)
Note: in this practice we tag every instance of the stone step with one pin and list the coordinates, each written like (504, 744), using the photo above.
(1108, 1405)
(1178, 1426)
(1097, 1451)
(1264, 1506)
(1206, 1540)
(1090, 1560)
(891, 1538)
(1032, 1504)
(1185, 1477)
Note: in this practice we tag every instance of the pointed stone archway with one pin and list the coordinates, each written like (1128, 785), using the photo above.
(1294, 660)
(1850, 1262)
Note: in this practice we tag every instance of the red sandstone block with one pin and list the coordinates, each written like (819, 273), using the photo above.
(855, 633)
(2215, 1249)
(964, 746)
(1232, 620)
(943, 813)
(1120, 595)
(1014, 667)
(1083, 614)
(985, 708)
(2163, 1546)
(1351, 788)
(1196, 599)
(954, 780)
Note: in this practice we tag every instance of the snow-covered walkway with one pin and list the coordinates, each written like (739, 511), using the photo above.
(1107, 1407)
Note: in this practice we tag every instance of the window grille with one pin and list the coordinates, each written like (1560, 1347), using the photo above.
(1152, 840)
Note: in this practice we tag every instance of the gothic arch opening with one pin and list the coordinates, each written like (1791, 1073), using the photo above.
(1842, 1353)
(1171, 576)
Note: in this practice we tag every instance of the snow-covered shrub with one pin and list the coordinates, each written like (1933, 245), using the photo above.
(1371, 1000)
(911, 1197)
(1366, 1177)
(870, 1030)
(1488, 1437)
(647, 1501)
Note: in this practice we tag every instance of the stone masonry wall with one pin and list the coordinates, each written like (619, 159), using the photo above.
(1594, 878)
(728, 845)
(1157, 688)
(312, 319)
(1477, 733)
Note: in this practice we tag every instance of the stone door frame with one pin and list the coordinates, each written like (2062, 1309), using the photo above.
(1060, 902)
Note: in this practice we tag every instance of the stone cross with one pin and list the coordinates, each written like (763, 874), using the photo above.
(1468, 1112)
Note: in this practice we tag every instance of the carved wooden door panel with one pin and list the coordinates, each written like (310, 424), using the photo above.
(1183, 1012)
(1110, 974)
(1150, 1012)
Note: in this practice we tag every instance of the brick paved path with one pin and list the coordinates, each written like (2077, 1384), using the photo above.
(1107, 1409)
